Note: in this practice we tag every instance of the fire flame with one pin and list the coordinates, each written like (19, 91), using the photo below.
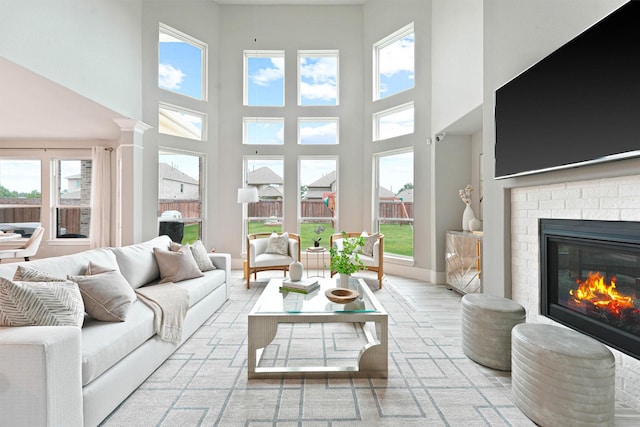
(594, 290)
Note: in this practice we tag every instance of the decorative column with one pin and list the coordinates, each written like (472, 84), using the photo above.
(128, 176)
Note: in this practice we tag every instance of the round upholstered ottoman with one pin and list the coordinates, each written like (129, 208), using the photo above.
(487, 321)
(561, 377)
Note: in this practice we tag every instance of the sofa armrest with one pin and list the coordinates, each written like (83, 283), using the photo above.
(41, 376)
(222, 261)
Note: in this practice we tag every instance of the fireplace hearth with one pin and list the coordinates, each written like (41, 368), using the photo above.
(590, 279)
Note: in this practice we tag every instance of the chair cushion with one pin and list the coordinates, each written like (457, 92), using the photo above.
(278, 245)
(272, 260)
(369, 242)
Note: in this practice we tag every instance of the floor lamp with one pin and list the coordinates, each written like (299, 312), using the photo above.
(246, 195)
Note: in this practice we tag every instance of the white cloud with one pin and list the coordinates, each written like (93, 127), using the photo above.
(319, 78)
(170, 77)
(264, 76)
(397, 57)
(329, 129)
(325, 92)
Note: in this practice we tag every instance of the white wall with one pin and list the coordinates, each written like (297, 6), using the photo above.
(456, 48)
(517, 34)
(91, 47)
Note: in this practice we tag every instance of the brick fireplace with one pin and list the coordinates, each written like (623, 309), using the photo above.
(608, 199)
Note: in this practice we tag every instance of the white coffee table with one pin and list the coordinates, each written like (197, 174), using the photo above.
(274, 307)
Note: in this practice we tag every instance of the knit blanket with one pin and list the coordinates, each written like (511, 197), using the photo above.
(169, 303)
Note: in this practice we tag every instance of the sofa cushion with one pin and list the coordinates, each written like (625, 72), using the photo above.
(40, 304)
(105, 344)
(106, 293)
(137, 263)
(176, 266)
(202, 286)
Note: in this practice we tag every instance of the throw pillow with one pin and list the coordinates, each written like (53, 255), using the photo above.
(93, 269)
(278, 244)
(107, 295)
(369, 241)
(176, 266)
(40, 304)
(201, 256)
(26, 274)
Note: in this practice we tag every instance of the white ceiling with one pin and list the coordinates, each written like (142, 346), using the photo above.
(33, 107)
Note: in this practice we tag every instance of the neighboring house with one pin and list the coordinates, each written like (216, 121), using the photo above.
(326, 184)
(175, 184)
(268, 183)
(406, 195)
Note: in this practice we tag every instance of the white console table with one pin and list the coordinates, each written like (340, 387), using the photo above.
(464, 261)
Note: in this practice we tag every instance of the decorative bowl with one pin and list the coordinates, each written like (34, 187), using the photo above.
(341, 295)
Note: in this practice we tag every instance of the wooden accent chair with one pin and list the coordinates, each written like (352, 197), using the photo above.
(261, 256)
(375, 261)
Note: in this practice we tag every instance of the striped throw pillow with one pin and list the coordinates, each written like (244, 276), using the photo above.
(40, 304)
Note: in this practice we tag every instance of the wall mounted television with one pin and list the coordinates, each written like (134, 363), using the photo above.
(577, 106)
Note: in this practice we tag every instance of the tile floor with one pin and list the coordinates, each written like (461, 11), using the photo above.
(431, 382)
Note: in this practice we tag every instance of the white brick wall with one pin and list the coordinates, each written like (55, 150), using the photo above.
(603, 199)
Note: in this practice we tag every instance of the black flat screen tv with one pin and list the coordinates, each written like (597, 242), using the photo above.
(579, 105)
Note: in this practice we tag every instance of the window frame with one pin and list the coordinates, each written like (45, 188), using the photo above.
(377, 116)
(376, 197)
(336, 213)
(248, 120)
(204, 49)
(56, 204)
(318, 54)
(202, 162)
(335, 120)
(381, 44)
(245, 75)
(187, 111)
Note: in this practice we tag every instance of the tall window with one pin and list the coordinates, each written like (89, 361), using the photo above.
(318, 183)
(20, 195)
(264, 78)
(266, 174)
(318, 131)
(263, 130)
(318, 77)
(393, 122)
(72, 209)
(178, 121)
(394, 65)
(180, 194)
(182, 63)
(395, 202)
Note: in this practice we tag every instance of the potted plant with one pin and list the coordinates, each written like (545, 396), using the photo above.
(316, 240)
(346, 260)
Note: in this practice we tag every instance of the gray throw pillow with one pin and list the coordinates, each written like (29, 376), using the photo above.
(369, 241)
(106, 293)
(278, 245)
(201, 256)
(176, 266)
(40, 304)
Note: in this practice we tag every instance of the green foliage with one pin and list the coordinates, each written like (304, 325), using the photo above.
(347, 260)
(35, 194)
(5, 192)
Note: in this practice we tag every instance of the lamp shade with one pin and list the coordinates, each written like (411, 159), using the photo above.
(248, 195)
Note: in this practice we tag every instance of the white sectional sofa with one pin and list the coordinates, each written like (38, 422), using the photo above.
(70, 376)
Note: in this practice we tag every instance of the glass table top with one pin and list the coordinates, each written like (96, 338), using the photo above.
(273, 300)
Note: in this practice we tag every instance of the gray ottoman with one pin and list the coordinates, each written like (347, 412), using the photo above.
(487, 321)
(561, 377)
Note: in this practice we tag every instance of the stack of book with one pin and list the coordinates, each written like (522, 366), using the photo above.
(303, 286)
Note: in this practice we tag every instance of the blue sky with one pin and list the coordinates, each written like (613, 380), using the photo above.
(265, 86)
(180, 67)
(396, 64)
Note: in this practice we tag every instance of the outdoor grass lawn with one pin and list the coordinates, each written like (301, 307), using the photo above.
(191, 233)
(398, 239)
